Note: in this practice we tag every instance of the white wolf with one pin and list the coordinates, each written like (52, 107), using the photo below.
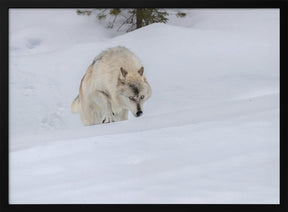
(113, 84)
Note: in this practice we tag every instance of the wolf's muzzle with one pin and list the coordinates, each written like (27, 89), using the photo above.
(139, 113)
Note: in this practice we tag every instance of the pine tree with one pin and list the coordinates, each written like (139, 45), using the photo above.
(130, 18)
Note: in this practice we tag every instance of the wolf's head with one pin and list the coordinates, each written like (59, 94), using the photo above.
(134, 90)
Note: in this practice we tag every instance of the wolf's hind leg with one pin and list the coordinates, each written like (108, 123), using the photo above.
(89, 112)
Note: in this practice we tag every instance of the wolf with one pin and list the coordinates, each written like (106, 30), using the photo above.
(113, 85)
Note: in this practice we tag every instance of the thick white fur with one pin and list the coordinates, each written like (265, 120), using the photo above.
(104, 90)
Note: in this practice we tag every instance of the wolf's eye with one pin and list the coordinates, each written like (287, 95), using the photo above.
(131, 98)
(142, 97)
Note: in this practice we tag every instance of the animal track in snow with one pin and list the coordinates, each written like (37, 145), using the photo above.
(33, 42)
(53, 120)
(28, 90)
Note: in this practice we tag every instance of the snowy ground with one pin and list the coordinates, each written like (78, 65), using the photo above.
(209, 134)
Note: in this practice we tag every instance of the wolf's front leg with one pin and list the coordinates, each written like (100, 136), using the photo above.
(108, 115)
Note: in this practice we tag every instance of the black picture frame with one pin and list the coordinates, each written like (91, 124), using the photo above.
(4, 188)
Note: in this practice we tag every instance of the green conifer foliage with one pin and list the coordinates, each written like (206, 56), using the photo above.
(132, 19)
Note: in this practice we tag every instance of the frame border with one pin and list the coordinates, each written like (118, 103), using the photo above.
(201, 4)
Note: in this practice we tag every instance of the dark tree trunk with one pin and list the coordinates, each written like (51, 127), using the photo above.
(139, 18)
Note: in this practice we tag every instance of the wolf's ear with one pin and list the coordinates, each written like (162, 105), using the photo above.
(123, 72)
(141, 71)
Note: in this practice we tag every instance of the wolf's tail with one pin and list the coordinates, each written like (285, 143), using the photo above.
(75, 105)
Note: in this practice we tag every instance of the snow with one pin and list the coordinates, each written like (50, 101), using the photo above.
(209, 133)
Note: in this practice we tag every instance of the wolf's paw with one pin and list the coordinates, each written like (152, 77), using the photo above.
(108, 119)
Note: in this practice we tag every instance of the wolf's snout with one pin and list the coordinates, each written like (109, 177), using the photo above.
(139, 113)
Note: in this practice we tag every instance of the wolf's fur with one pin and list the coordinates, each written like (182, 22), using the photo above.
(113, 84)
